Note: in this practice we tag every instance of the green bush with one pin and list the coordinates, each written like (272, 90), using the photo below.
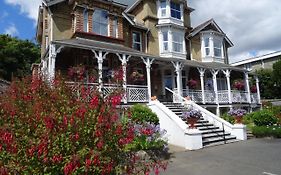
(142, 114)
(264, 131)
(228, 118)
(264, 117)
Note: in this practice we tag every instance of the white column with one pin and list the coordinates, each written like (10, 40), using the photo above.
(247, 86)
(124, 59)
(178, 68)
(100, 56)
(214, 73)
(227, 75)
(52, 61)
(148, 62)
(258, 89)
(202, 72)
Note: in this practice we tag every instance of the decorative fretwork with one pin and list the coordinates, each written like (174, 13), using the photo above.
(137, 94)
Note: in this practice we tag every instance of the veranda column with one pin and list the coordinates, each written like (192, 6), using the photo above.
(52, 61)
(258, 89)
(227, 75)
(214, 74)
(99, 55)
(148, 62)
(202, 72)
(247, 88)
(124, 59)
(178, 68)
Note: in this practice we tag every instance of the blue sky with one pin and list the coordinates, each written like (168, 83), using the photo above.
(253, 26)
(15, 22)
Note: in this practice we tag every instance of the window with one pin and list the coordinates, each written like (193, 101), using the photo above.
(100, 22)
(115, 27)
(175, 10)
(165, 41)
(217, 48)
(163, 8)
(137, 41)
(207, 46)
(177, 42)
(85, 21)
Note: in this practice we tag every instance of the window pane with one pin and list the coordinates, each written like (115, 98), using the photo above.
(165, 36)
(207, 50)
(206, 40)
(137, 41)
(115, 28)
(217, 52)
(165, 46)
(85, 21)
(100, 22)
(175, 10)
(217, 43)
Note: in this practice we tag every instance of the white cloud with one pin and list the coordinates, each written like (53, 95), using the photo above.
(28, 7)
(251, 25)
(11, 30)
(3, 15)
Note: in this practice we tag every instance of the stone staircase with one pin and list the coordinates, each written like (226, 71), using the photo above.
(211, 135)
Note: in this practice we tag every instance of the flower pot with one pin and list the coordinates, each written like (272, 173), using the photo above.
(238, 119)
(192, 122)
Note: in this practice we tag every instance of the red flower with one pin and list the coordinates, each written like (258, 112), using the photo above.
(96, 161)
(57, 158)
(49, 123)
(88, 163)
(100, 144)
(7, 138)
(81, 112)
(94, 102)
(116, 100)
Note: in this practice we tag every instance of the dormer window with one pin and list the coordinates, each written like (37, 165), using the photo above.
(175, 10)
(100, 22)
(137, 41)
(212, 46)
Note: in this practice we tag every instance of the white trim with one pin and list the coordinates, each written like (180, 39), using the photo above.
(258, 58)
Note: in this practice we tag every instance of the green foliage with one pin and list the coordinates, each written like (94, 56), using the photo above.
(142, 114)
(267, 88)
(16, 57)
(277, 75)
(264, 118)
(264, 131)
(228, 118)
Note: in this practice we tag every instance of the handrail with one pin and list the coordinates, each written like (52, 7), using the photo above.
(203, 110)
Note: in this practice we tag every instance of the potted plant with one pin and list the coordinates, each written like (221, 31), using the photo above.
(253, 89)
(239, 85)
(192, 116)
(137, 77)
(237, 114)
(192, 83)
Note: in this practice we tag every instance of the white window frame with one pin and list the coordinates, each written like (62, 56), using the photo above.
(165, 41)
(212, 37)
(100, 22)
(136, 42)
(163, 9)
(85, 20)
(218, 48)
(177, 43)
(115, 27)
(176, 10)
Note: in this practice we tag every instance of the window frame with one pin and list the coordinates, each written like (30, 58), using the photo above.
(85, 20)
(99, 23)
(218, 48)
(178, 43)
(163, 9)
(115, 27)
(137, 42)
(176, 11)
(165, 42)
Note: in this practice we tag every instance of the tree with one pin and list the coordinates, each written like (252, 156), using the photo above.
(277, 76)
(267, 87)
(16, 57)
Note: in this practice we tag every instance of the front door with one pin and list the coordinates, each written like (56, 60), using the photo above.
(168, 82)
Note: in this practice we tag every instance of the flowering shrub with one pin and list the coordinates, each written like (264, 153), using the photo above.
(239, 85)
(141, 114)
(192, 83)
(253, 89)
(237, 112)
(47, 130)
(192, 114)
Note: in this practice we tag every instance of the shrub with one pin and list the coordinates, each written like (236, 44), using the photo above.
(264, 117)
(228, 118)
(265, 131)
(141, 114)
(47, 130)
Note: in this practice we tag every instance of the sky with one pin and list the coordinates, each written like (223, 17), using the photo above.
(254, 26)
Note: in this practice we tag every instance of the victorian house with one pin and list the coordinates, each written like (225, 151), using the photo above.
(153, 41)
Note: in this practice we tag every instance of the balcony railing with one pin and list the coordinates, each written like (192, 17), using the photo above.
(134, 93)
(223, 97)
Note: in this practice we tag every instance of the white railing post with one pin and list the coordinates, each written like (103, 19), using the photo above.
(247, 86)
(214, 73)
(124, 59)
(227, 75)
(178, 68)
(100, 56)
(258, 90)
(148, 62)
(202, 72)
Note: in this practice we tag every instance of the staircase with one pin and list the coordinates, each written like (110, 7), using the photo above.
(211, 135)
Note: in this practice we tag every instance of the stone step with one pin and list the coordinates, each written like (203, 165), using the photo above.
(207, 141)
(211, 131)
(203, 128)
(203, 124)
(210, 135)
(220, 143)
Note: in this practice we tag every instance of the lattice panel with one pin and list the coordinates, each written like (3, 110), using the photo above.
(210, 97)
(137, 94)
(223, 96)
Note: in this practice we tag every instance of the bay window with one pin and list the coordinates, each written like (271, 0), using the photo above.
(85, 21)
(137, 41)
(163, 7)
(165, 41)
(217, 48)
(115, 27)
(212, 46)
(177, 42)
(207, 46)
(100, 22)
(175, 10)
